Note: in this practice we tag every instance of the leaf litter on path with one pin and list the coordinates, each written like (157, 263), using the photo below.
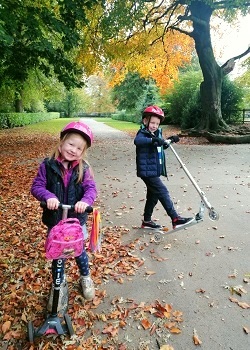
(26, 278)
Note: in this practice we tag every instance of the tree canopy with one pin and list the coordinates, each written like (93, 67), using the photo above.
(155, 39)
(40, 34)
(127, 21)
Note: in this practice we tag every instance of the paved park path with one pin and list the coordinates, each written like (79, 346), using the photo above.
(193, 269)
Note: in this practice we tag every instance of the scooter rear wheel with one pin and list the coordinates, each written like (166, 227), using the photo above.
(31, 332)
(158, 237)
(69, 325)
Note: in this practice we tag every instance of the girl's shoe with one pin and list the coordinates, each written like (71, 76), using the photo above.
(88, 289)
(62, 301)
(150, 224)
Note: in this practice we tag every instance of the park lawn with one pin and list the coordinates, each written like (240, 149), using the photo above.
(54, 126)
(119, 124)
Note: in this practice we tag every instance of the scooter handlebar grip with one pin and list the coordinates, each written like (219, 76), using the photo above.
(174, 138)
(167, 142)
(88, 210)
(43, 204)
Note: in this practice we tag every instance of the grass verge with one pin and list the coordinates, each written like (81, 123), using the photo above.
(119, 124)
(54, 126)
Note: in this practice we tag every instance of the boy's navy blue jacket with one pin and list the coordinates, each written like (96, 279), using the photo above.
(150, 159)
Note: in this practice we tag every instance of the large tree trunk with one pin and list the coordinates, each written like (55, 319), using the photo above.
(210, 88)
(18, 102)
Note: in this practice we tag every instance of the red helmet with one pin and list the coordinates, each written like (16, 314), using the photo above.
(154, 110)
(80, 128)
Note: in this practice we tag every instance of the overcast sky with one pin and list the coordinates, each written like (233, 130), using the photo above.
(232, 40)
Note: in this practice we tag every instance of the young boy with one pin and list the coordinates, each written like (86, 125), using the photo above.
(150, 163)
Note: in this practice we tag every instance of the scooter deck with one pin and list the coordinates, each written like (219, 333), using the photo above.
(159, 234)
(51, 325)
(167, 232)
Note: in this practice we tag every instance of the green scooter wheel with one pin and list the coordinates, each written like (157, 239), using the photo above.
(31, 332)
(69, 325)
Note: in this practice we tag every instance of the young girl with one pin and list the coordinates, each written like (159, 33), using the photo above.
(150, 163)
(66, 178)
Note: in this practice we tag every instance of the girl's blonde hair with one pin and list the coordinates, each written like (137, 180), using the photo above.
(82, 161)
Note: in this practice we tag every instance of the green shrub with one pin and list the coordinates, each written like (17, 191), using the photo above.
(184, 107)
(126, 116)
(11, 120)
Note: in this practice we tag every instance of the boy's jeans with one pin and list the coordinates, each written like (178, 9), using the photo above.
(156, 190)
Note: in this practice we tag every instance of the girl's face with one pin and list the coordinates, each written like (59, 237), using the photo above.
(72, 147)
(154, 123)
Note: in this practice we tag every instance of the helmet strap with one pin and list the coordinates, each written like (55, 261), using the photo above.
(146, 121)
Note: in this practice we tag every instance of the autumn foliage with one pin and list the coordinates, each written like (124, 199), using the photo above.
(159, 59)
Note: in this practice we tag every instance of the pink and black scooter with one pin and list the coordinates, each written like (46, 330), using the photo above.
(65, 243)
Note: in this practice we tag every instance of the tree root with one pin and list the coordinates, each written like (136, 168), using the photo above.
(230, 135)
(227, 138)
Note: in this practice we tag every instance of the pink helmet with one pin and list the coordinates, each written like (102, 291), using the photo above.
(154, 110)
(80, 128)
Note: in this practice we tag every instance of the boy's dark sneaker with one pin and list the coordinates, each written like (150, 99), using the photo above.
(150, 224)
(179, 222)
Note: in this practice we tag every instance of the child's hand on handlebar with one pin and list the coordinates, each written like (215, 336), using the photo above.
(52, 203)
(80, 207)
(174, 138)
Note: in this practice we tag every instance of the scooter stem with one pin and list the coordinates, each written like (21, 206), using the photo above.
(201, 194)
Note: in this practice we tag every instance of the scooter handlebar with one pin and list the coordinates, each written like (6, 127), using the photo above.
(167, 142)
(88, 210)
(171, 139)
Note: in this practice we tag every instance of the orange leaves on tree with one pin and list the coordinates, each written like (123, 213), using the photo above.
(158, 59)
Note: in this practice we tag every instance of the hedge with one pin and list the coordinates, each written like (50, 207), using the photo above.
(11, 120)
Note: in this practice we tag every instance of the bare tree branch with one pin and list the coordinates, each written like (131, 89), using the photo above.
(228, 66)
(181, 31)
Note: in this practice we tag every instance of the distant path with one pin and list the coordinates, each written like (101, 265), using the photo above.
(102, 130)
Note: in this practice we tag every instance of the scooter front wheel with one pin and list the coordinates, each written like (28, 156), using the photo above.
(213, 215)
(69, 325)
(31, 332)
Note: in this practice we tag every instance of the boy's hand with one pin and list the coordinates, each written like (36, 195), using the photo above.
(157, 141)
(174, 138)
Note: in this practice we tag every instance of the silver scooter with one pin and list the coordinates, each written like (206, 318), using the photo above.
(213, 215)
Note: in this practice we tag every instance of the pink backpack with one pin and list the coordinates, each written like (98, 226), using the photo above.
(65, 240)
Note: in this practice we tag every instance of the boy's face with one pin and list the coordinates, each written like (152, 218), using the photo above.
(153, 123)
